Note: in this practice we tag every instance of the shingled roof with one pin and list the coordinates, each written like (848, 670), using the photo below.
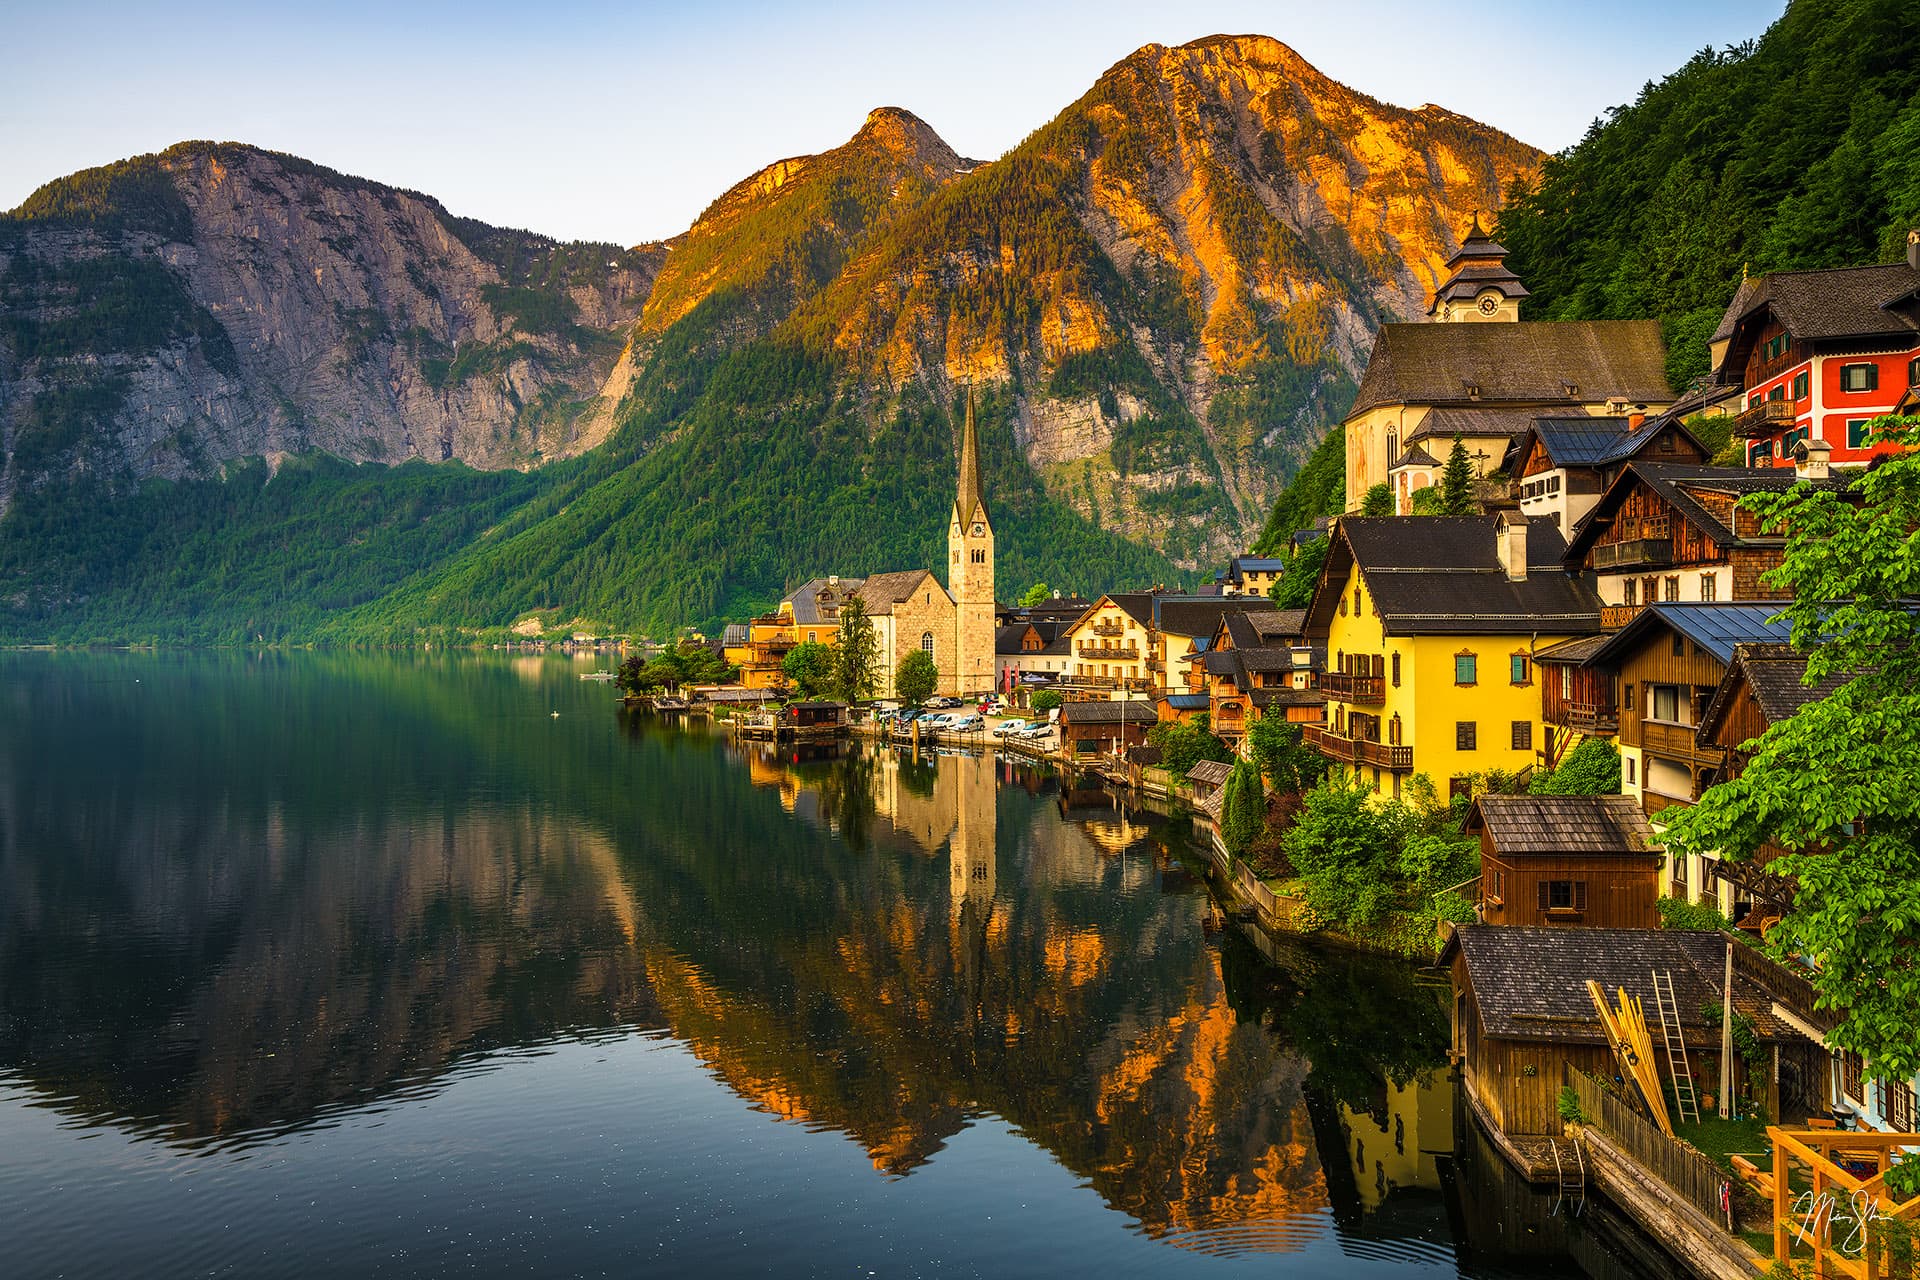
(1776, 675)
(1107, 711)
(1530, 982)
(1258, 627)
(1562, 824)
(1533, 362)
(1441, 575)
(1680, 485)
(1714, 627)
(1210, 773)
(1847, 302)
(1469, 420)
(1198, 616)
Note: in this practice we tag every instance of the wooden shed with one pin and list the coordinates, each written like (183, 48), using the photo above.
(1521, 1012)
(1566, 860)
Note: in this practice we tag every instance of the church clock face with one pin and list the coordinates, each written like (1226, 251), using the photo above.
(979, 530)
(1489, 305)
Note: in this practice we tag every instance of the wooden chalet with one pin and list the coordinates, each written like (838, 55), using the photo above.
(1565, 861)
(1667, 532)
(1255, 664)
(1666, 665)
(1576, 701)
(1522, 1015)
(1209, 782)
(1101, 726)
(1561, 466)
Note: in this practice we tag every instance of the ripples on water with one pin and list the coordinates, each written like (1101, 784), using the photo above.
(316, 965)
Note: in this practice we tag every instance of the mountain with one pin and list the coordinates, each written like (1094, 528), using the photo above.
(170, 313)
(1160, 298)
(1798, 150)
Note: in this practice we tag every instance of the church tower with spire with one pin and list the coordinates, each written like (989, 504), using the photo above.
(970, 570)
(1479, 285)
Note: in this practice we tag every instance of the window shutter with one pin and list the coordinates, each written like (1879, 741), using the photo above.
(1579, 895)
(1546, 895)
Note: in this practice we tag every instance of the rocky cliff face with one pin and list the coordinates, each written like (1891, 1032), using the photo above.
(216, 301)
(1166, 293)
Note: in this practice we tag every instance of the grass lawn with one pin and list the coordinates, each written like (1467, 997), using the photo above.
(1724, 1139)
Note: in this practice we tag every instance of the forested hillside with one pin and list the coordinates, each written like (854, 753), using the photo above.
(1800, 149)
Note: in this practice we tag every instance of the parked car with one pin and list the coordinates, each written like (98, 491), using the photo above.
(1037, 730)
(967, 722)
(1007, 728)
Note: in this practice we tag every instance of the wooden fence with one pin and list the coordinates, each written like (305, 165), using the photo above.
(1690, 1174)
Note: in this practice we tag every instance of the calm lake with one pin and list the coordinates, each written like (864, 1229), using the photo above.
(347, 965)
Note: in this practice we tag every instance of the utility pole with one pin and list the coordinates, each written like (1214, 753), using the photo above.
(1726, 1040)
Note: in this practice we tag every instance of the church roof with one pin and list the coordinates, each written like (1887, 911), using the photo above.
(1541, 362)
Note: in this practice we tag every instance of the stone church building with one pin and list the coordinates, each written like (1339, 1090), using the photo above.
(910, 609)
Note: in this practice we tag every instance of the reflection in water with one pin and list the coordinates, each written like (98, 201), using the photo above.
(242, 896)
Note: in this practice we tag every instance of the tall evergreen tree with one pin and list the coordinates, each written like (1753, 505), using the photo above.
(856, 654)
(1456, 483)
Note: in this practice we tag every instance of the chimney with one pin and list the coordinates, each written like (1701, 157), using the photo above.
(1810, 459)
(1636, 420)
(1510, 544)
(833, 580)
(1913, 249)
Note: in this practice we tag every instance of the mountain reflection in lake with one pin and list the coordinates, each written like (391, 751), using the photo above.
(317, 964)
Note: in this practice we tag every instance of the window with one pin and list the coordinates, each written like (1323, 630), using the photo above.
(1679, 645)
(1563, 895)
(1778, 393)
(1802, 382)
(1629, 589)
(1776, 347)
(1396, 671)
(1358, 605)
(1664, 703)
(1464, 734)
(1859, 377)
(813, 637)
(979, 556)
(1465, 669)
(1673, 588)
(1393, 446)
(1627, 763)
(1762, 450)
(1500, 887)
(1626, 696)
(1519, 670)
(1851, 1069)
(1899, 1107)
(926, 643)
(1857, 432)
(1523, 735)
(1709, 587)
(1393, 730)
(1680, 877)
(1343, 606)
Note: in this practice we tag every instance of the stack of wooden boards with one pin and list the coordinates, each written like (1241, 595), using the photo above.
(1626, 1026)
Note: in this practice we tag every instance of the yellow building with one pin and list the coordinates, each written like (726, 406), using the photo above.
(1485, 382)
(1113, 642)
(1431, 625)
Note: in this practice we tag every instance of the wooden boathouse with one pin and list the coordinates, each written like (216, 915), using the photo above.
(1585, 861)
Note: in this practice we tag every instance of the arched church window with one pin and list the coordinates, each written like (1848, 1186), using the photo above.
(1393, 446)
(926, 642)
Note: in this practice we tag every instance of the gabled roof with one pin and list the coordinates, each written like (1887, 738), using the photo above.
(1200, 615)
(1715, 628)
(1413, 456)
(1186, 701)
(1210, 772)
(1471, 421)
(881, 591)
(1574, 651)
(1775, 673)
(1845, 302)
(1107, 711)
(1264, 698)
(1257, 564)
(1530, 982)
(1441, 575)
(1592, 442)
(1538, 362)
(1012, 638)
(1680, 486)
(1259, 627)
(1137, 605)
(1562, 824)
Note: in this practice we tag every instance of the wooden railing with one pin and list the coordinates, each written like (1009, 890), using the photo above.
(1126, 653)
(1634, 553)
(1844, 1223)
(1344, 686)
(1591, 717)
(1615, 616)
(1357, 750)
(1691, 1175)
(1764, 418)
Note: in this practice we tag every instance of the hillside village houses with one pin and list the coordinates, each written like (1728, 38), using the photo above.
(1476, 371)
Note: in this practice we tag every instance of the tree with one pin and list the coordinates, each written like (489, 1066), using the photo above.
(1294, 590)
(1378, 500)
(1833, 785)
(856, 653)
(1038, 593)
(916, 678)
(1590, 769)
(1243, 810)
(1343, 848)
(1456, 483)
(1046, 700)
(1183, 745)
(810, 668)
(1426, 501)
(1280, 750)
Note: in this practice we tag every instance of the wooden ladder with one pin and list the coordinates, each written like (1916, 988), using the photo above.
(1686, 1100)
(1570, 1174)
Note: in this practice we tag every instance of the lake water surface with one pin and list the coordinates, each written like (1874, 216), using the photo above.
(346, 965)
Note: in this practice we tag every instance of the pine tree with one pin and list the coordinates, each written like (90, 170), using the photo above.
(1456, 483)
(856, 653)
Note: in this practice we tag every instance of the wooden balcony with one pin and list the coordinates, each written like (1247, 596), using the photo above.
(1108, 629)
(1344, 686)
(1111, 652)
(1765, 419)
(1652, 802)
(1634, 553)
(1678, 742)
(1106, 682)
(1357, 750)
(1615, 616)
(1599, 719)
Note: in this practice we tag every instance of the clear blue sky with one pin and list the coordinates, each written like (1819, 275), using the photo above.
(620, 122)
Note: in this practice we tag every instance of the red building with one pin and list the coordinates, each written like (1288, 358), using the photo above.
(1819, 354)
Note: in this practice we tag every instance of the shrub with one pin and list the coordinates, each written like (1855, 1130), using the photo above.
(1046, 700)
(1569, 1105)
(1678, 913)
(1590, 769)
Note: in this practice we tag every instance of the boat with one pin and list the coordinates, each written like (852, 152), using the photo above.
(599, 675)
